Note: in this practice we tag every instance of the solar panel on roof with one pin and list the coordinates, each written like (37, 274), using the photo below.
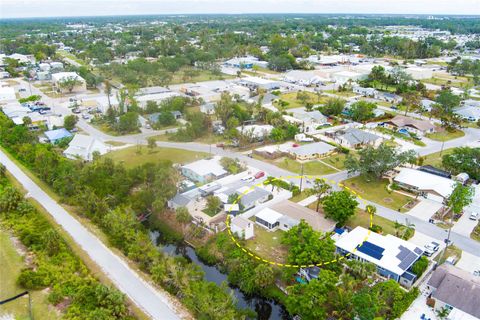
(407, 261)
(403, 253)
(372, 250)
(418, 251)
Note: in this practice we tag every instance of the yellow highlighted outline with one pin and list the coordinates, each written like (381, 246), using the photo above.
(254, 255)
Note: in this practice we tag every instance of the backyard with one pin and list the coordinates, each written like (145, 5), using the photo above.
(268, 244)
(12, 264)
(137, 156)
(376, 191)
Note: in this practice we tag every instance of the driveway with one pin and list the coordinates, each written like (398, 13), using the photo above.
(469, 262)
(421, 239)
(425, 209)
(464, 225)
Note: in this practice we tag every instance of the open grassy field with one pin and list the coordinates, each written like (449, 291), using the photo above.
(185, 75)
(376, 191)
(293, 102)
(268, 244)
(136, 156)
(445, 135)
(12, 264)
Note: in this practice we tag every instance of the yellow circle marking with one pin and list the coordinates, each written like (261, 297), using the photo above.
(254, 255)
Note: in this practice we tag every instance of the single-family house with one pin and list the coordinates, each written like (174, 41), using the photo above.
(56, 135)
(427, 104)
(156, 97)
(429, 185)
(208, 108)
(456, 290)
(293, 213)
(366, 92)
(256, 82)
(393, 256)
(268, 219)
(252, 197)
(309, 121)
(415, 126)
(242, 227)
(344, 76)
(311, 151)
(388, 97)
(184, 199)
(84, 147)
(58, 79)
(255, 131)
(204, 170)
(355, 138)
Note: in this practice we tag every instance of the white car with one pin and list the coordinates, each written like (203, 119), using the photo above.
(431, 248)
(474, 216)
(248, 178)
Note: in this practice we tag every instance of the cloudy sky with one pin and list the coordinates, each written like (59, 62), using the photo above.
(49, 8)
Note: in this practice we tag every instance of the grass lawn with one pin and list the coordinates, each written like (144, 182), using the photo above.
(452, 251)
(336, 160)
(198, 76)
(12, 264)
(434, 159)
(293, 102)
(343, 94)
(446, 135)
(301, 196)
(268, 244)
(314, 168)
(376, 191)
(131, 157)
(362, 218)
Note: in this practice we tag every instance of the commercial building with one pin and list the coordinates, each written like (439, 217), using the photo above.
(393, 256)
(204, 170)
(61, 77)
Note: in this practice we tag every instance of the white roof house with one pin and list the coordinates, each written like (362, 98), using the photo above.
(311, 151)
(157, 97)
(268, 218)
(242, 227)
(392, 256)
(344, 76)
(83, 147)
(435, 187)
(7, 94)
(255, 131)
(204, 170)
(260, 83)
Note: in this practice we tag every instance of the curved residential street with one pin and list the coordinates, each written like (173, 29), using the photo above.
(154, 303)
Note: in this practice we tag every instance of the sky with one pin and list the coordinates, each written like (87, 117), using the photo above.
(56, 8)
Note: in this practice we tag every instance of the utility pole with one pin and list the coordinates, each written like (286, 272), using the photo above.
(301, 179)
(441, 150)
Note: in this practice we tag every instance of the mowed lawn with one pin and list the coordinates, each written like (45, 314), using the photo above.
(293, 102)
(135, 156)
(435, 159)
(11, 265)
(362, 218)
(314, 167)
(445, 135)
(267, 245)
(376, 191)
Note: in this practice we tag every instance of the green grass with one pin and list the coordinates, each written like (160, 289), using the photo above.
(199, 76)
(362, 218)
(434, 159)
(336, 160)
(446, 135)
(314, 168)
(293, 102)
(343, 94)
(12, 264)
(452, 251)
(376, 191)
(132, 157)
(301, 196)
(267, 244)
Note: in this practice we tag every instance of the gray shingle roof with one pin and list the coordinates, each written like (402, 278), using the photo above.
(357, 136)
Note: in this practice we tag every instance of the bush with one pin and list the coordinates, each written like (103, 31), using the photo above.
(420, 266)
(32, 280)
(376, 228)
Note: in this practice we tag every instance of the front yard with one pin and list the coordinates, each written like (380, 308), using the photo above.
(376, 191)
(314, 168)
(445, 135)
(435, 159)
(137, 156)
(290, 100)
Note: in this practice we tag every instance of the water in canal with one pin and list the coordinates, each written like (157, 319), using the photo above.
(266, 309)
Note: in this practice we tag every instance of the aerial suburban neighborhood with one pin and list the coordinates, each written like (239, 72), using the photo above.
(239, 166)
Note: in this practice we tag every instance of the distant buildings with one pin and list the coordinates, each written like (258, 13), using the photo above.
(256, 132)
(256, 82)
(393, 256)
(246, 62)
(61, 77)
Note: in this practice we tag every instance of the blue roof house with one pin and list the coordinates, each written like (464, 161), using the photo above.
(55, 135)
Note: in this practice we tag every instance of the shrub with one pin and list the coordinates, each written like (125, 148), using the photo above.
(376, 228)
(420, 266)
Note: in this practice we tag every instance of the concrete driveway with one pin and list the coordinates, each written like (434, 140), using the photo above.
(464, 225)
(425, 209)
(421, 239)
(469, 262)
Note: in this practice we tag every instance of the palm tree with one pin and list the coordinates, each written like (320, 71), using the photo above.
(371, 209)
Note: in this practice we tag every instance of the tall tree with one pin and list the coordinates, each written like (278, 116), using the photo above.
(320, 189)
(340, 206)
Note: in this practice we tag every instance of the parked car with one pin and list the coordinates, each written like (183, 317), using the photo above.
(259, 175)
(85, 116)
(248, 178)
(474, 216)
(76, 110)
(220, 145)
(431, 248)
(22, 90)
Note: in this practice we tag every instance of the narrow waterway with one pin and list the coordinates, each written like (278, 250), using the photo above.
(266, 309)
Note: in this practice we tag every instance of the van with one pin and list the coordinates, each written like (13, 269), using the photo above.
(474, 216)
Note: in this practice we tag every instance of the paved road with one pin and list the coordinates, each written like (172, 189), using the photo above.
(154, 303)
